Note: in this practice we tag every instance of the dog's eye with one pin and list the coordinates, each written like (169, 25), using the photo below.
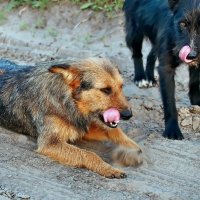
(183, 25)
(86, 85)
(107, 90)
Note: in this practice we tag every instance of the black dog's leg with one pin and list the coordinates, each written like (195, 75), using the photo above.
(140, 77)
(151, 59)
(167, 87)
(194, 85)
(134, 39)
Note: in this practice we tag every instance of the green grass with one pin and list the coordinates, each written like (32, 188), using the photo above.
(24, 26)
(39, 4)
(52, 32)
(105, 5)
(3, 17)
(97, 5)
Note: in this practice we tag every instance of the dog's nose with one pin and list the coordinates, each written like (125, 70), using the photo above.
(192, 55)
(126, 114)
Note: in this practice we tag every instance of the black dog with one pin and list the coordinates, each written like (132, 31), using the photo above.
(173, 27)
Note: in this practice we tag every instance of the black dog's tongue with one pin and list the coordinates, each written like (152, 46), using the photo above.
(184, 52)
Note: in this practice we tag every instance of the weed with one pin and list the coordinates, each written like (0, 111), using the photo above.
(24, 26)
(39, 4)
(105, 5)
(3, 17)
(52, 32)
(40, 23)
(97, 5)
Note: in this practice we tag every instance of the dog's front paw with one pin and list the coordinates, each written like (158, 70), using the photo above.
(172, 131)
(127, 156)
(146, 83)
(110, 172)
(142, 83)
(152, 82)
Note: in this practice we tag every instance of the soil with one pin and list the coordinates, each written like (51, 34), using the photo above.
(170, 169)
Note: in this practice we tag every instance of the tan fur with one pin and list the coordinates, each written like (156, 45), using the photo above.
(57, 147)
(127, 154)
(65, 103)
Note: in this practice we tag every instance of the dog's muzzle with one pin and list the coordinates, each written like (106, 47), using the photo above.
(192, 55)
(112, 116)
(126, 114)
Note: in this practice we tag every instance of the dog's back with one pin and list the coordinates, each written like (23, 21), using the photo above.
(23, 92)
(141, 18)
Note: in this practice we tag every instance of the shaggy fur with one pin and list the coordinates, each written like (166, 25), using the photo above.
(62, 103)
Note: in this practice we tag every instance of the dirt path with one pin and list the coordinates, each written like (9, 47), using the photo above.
(171, 168)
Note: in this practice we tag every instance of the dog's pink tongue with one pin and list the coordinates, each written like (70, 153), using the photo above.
(184, 52)
(111, 115)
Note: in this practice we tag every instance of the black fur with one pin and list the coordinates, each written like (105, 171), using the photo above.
(169, 25)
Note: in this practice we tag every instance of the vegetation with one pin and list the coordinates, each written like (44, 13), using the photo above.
(39, 4)
(2, 17)
(105, 5)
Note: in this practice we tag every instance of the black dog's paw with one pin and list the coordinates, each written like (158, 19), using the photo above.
(143, 83)
(152, 82)
(172, 131)
(146, 83)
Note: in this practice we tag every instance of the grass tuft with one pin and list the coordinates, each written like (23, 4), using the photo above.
(97, 5)
(3, 17)
(39, 4)
(105, 5)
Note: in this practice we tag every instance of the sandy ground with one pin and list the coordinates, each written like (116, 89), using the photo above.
(170, 169)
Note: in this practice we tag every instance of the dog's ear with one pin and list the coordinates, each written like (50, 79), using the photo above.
(70, 73)
(172, 3)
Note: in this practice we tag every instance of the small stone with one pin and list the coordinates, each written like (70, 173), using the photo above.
(196, 123)
(187, 121)
(183, 113)
(195, 109)
(23, 196)
(9, 195)
(1, 192)
(148, 105)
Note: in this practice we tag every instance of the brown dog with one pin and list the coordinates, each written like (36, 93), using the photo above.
(62, 103)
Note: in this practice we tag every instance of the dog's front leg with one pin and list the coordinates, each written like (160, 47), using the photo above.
(52, 142)
(73, 156)
(127, 153)
(167, 87)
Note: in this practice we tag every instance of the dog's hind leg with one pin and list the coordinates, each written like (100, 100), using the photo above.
(151, 60)
(194, 85)
(134, 40)
(127, 153)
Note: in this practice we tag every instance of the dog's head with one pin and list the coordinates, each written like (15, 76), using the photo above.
(95, 86)
(187, 26)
